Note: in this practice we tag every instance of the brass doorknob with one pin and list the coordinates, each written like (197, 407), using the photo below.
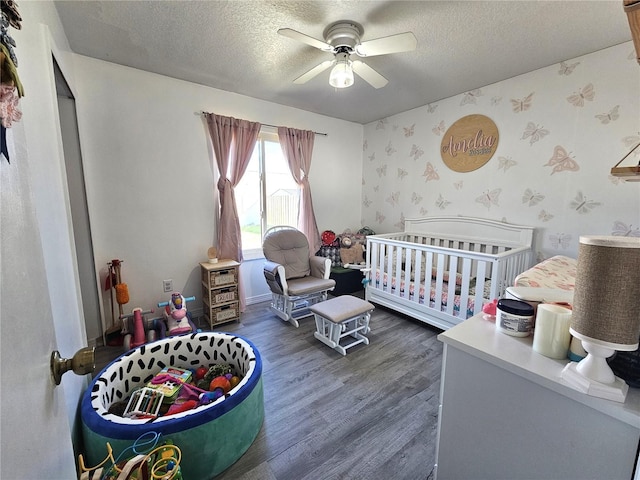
(82, 363)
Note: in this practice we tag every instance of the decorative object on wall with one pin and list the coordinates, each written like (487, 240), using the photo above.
(408, 131)
(471, 97)
(11, 88)
(430, 172)
(582, 204)
(628, 173)
(469, 143)
(534, 133)
(531, 197)
(490, 197)
(439, 129)
(578, 98)
(520, 105)
(342, 39)
(612, 116)
(562, 160)
(605, 312)
(632, 8)
(621, 229)
(567, 68)
(442, 203)
(416, 152)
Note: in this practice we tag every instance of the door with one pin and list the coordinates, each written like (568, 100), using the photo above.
(36, 435)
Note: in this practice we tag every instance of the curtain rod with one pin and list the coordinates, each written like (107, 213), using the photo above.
(273, 126)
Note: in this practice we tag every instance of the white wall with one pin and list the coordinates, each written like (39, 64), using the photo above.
(400, 149)
(150, 180)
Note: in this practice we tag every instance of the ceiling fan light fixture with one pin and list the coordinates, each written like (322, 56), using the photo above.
(341, 74)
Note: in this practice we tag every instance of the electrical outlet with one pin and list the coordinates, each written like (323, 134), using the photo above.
(167, 285)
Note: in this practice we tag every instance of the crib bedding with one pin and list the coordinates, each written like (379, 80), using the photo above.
(444, 296)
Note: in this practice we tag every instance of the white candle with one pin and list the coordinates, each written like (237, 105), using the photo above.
(551, 336)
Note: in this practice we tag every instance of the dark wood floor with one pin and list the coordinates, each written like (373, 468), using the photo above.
(371, 414)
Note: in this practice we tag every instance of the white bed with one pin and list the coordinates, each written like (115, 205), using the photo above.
(409, 271)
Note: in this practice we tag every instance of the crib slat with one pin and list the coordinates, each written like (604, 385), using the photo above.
(419, 277)
(439, 278)
(409, 254)
(383, 267)
(397, 271)
(451, 290)
(465, 287)
(480, 279)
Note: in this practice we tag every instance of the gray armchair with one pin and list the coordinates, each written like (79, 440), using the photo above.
(297, 279)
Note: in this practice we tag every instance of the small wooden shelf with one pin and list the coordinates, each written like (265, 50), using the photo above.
(220, 292)
(630, 173)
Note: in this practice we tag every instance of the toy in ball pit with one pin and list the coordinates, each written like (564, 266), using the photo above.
(218, 380)
(211, 384)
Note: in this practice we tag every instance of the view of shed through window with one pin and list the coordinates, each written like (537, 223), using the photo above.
(267, 195)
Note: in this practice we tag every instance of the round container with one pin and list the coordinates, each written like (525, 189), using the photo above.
(551, 336)
(514, 317)
(211, 437)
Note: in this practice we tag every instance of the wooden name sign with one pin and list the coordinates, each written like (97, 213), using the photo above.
(469, 143)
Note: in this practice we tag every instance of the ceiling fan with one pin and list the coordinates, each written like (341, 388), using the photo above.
(342, 38)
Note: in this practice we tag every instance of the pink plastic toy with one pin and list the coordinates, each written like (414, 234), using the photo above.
(140, 334)
(175, 314)
(489, 310)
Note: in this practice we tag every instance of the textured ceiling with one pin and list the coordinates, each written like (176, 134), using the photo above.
(233, 45)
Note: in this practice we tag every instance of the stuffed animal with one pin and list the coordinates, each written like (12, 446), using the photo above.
(175, 314)
(352, 255)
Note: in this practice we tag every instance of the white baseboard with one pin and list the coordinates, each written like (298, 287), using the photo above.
(259, 299)
(197, 314)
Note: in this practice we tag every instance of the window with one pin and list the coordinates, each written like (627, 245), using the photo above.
(267, 195)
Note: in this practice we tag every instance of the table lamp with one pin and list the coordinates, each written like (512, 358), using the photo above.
(606, 312)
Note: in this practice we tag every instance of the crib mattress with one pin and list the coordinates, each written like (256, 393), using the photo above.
(557, 272)
(444, 298)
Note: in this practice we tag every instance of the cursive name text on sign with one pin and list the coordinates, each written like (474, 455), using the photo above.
(469, 143)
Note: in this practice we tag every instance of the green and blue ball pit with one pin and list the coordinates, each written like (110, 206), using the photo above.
(211, 437)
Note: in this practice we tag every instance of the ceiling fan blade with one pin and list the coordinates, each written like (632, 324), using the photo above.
(301, 37)
(402, 42)
(305, 77)
(368, 74)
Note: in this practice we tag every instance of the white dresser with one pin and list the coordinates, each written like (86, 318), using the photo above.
(505, 413)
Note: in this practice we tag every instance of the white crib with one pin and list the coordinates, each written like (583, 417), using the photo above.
(412, 272)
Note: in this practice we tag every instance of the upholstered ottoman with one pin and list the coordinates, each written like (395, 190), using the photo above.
(341, 317)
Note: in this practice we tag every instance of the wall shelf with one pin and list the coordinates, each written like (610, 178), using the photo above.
(628, 172)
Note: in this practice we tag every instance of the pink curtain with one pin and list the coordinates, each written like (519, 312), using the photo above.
(297, 146)
(233, 143)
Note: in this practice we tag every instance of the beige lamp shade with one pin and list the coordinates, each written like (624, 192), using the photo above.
(606, 305)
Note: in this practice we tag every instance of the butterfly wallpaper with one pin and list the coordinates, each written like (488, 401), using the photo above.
(561, 130)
